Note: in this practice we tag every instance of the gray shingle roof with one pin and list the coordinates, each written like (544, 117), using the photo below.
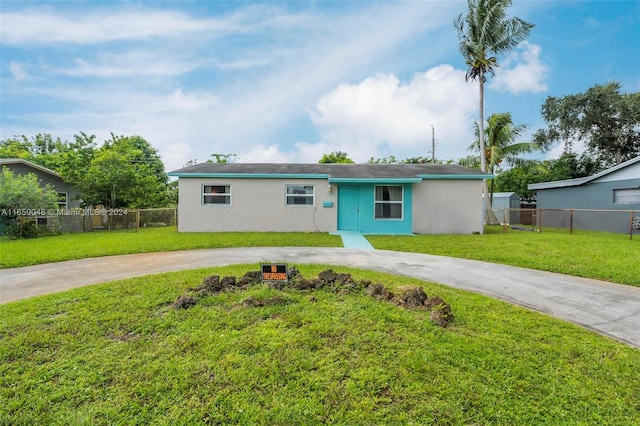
(581, 181)
(8, 161)
(332, 171)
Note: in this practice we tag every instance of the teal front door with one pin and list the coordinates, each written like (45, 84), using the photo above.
(348, 207)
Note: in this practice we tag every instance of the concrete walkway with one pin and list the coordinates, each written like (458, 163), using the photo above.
(354, 240)
(609, 309)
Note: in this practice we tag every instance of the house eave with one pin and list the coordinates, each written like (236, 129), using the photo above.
(558, 184)
(456, 177)
(374, 180)
(249, 175)
(580, 181)
(8, 161)
(417, 179)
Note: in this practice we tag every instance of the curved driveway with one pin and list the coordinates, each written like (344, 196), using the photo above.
(609, 309)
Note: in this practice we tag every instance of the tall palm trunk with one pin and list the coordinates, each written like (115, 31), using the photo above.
(483, 155)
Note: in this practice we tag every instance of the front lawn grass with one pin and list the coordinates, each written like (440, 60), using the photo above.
(118, 353)
(590, 254)
(108, 243)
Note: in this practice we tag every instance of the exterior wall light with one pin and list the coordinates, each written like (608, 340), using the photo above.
(329, 188)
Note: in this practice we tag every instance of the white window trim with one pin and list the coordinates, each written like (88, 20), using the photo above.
(401, 202)
(287, 195)
(65, 205)
(202, 195)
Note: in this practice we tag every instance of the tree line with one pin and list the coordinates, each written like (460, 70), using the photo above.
(125, 171)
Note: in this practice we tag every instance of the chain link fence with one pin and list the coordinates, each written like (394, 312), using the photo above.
(152, 218)
(615, 221)
(93, 219)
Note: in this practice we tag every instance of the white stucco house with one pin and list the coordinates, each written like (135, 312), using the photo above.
(368, 198)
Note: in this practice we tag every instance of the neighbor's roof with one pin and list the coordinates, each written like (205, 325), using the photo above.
(406, 173)
(581, 181)
(7, 161)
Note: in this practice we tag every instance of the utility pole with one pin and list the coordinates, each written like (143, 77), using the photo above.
(433, 145)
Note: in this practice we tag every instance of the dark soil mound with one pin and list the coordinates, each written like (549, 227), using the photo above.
(184, 302)
(409, 297)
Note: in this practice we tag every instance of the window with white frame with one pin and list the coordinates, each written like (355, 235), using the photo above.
(300, 195)
(388, 202)
(216, 194)
(62, 200)
(626, 196)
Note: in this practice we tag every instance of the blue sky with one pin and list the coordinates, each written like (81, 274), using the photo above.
(289, 81)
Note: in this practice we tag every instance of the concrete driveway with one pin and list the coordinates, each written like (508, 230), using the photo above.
(606, 308)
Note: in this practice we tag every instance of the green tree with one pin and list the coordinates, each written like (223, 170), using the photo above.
(124, 172)
(21, 194)
(172, 193)
(517, 180)
(607, 121)
(385, 160)
(336, 157)
(419, 160)
(148, 156)
(500, 145)
(15, 148)
(74, 161)
(472, 161)
(410, 160)
(40, 149)
(568, 166)
(223, 158)
(486, 32)
(70, 160)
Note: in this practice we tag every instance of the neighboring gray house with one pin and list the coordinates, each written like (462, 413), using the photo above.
(505, 200)
(367, 198)
(66, 193)
(617, 188)
(501, 203)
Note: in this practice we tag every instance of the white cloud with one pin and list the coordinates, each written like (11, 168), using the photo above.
(179, 101)
(45, 26)
(158, 62)
(266, 154)
(17, 71)
(578, 147)
(131, 64)
(383, 116)
(179, 153)
(239, 82)
(522, 71)
(306, 152)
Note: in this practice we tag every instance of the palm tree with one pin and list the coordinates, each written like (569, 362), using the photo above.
(486, 32)
(500, 145)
